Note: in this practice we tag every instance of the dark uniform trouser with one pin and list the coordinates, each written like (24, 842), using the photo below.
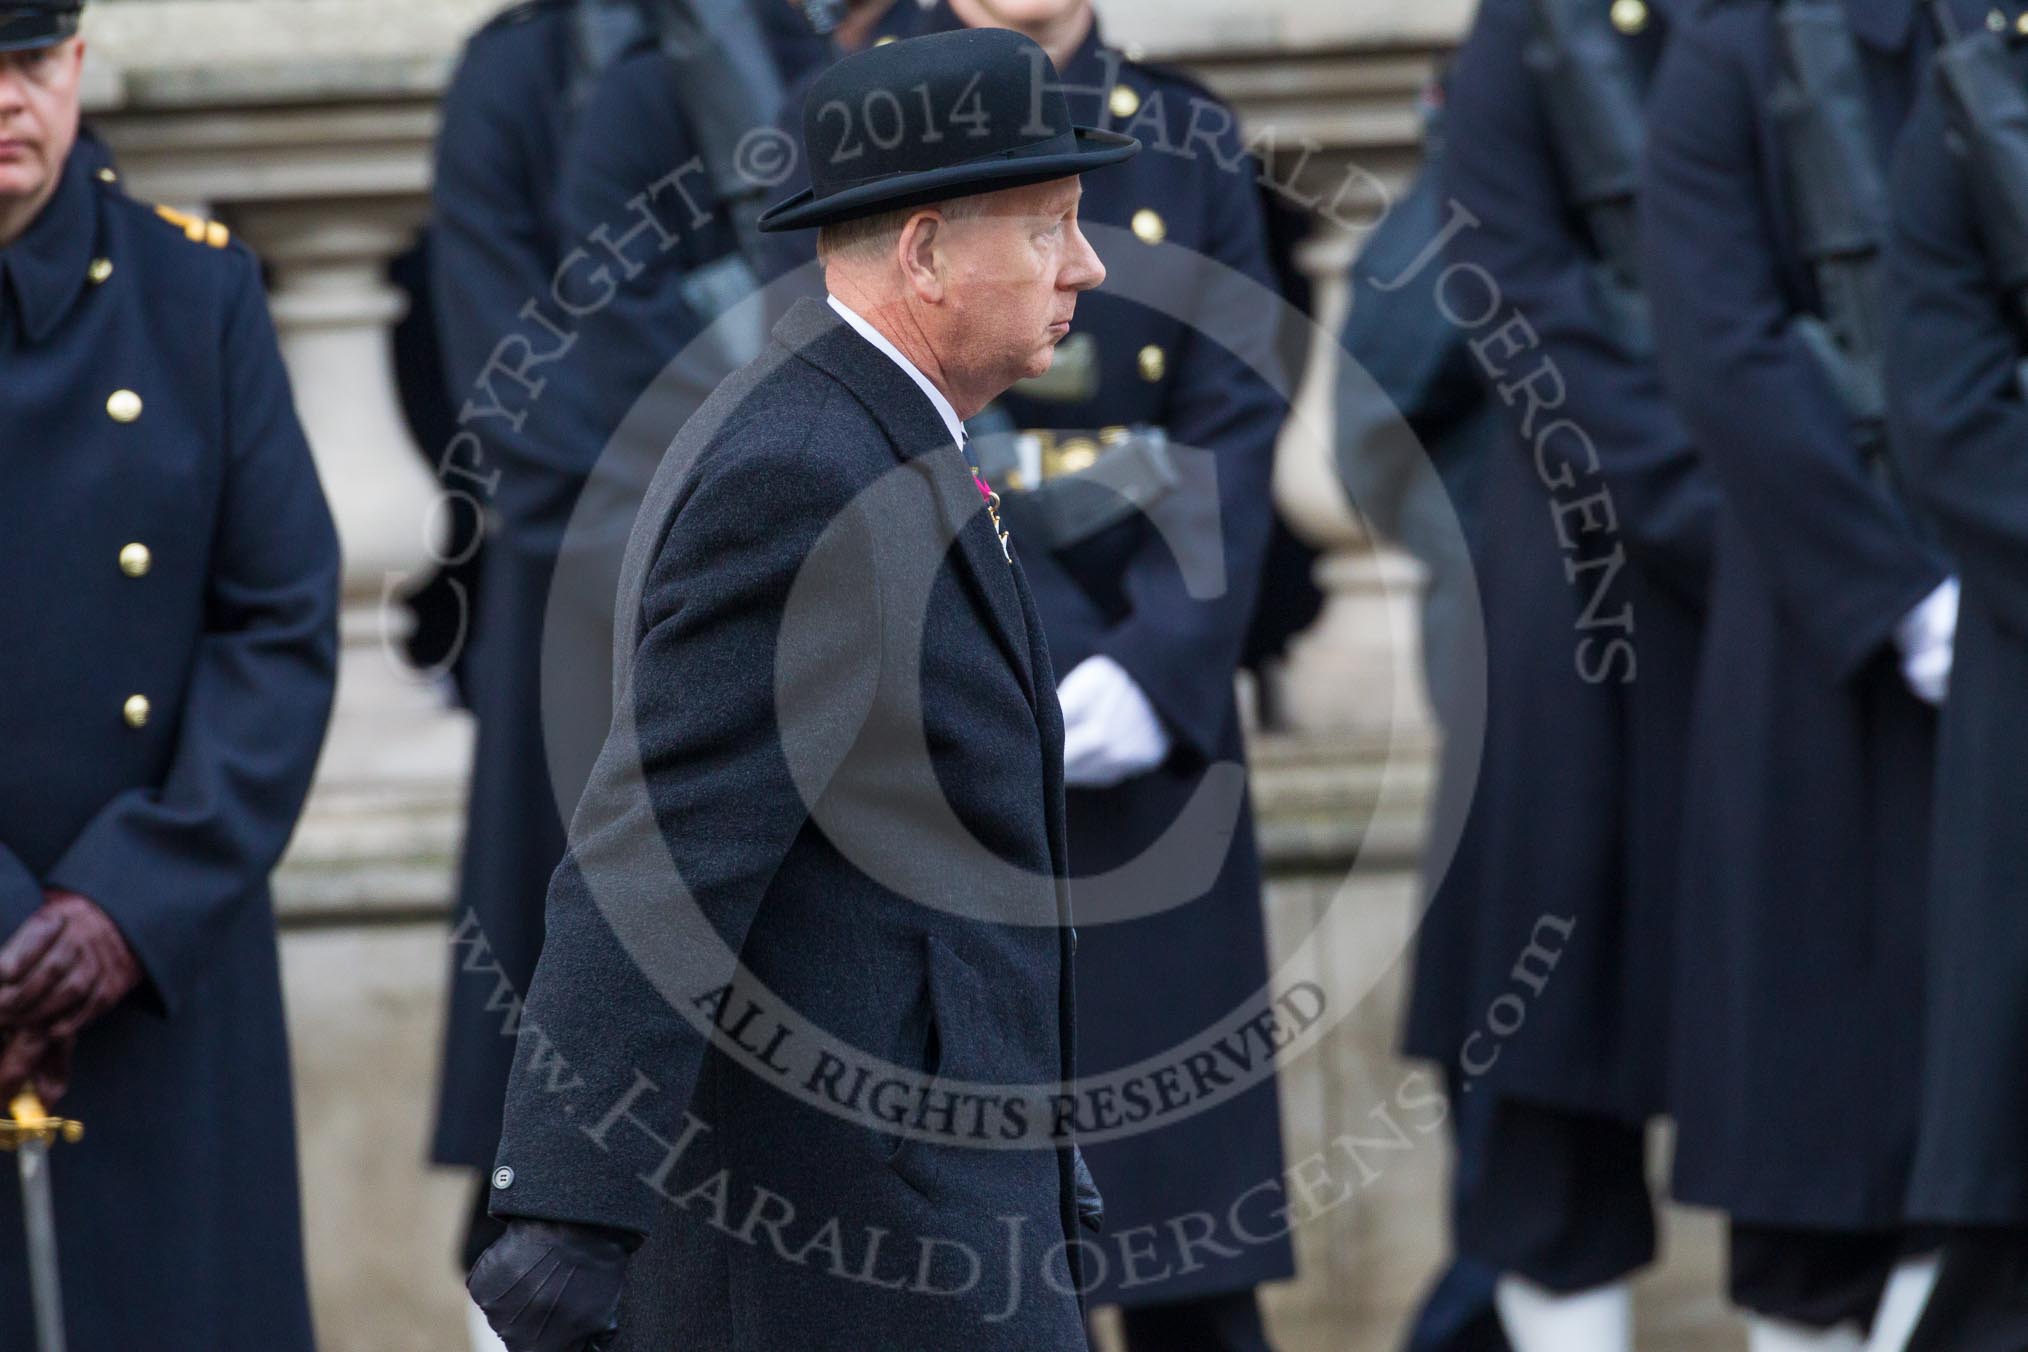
(1561, 1198)
(1551, 1195)
(1224, 1323)
(1458, 1315)
(1981, 1299)
(1814, 1277)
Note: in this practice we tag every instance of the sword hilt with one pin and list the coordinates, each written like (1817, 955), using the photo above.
(29, 1123)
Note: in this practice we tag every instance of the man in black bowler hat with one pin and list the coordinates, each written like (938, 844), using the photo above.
(824, 845)
(170, 614)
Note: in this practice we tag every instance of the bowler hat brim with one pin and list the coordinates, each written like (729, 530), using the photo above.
(24, 30)
(1095, 149)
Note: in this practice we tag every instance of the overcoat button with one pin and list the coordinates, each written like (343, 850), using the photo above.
(1124, 101)
(1154, 363)
(135, 711)
(135, 559)
(123, 406)
(503, 1178)
(100, 269)
(1149, 227)
(1630, 16)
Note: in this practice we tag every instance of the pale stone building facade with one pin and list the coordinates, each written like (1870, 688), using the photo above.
(307, 126)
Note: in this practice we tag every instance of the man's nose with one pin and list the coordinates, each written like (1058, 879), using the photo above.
(1082, 270)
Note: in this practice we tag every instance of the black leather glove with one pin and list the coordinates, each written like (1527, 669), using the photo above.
(1091, 1207)
(546, 1286)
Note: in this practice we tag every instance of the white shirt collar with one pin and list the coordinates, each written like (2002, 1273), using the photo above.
(879, 340)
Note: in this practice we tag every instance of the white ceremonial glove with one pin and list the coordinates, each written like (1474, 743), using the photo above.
(1110, 731)
(1927, 637)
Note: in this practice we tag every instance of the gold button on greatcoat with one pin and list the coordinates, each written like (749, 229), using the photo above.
(135, 559)
(1124, 101)
(1149, 226)
(100, 269)
(135, 711)
(2021, 23)
(123, 406)
(1154, 362)
(1630, 16)
(108, 176)
(883, 41)
(1078, 454)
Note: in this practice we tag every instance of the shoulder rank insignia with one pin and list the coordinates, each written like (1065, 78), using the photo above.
(196, 229)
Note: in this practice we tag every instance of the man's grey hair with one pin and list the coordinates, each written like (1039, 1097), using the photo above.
(871, 236)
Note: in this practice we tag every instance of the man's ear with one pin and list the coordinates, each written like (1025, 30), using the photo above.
(917, 250)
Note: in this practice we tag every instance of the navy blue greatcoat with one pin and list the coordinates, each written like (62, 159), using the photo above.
(1955, 343)
(495, 241)
(1592, 552)
(1807, 823)
(635, 194)
(171, 648)
(528, 185)
(860, 788)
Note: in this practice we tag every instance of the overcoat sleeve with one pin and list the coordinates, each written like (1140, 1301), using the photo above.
(1501, 166)
(172, 863)
(1221, 403)
(1842, 558)
(1960, 423)
(704, 793)
(20, 892)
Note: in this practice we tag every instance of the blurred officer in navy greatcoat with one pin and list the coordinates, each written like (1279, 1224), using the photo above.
(171, 649)
(1415, 428)
(496, 240)
(1807, 827)
(1957, 337)
(654, 195)
(1592, 552)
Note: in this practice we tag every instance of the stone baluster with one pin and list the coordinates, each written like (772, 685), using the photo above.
(1356, 671)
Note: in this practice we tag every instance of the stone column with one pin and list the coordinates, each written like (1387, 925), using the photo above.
(334, 311)
(1357, 670)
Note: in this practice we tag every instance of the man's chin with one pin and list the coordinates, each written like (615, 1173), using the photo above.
(20, 178)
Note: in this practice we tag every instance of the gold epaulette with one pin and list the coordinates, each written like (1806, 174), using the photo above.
(195, 228)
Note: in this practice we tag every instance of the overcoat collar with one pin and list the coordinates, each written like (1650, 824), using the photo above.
(44, 270)
(815, 333)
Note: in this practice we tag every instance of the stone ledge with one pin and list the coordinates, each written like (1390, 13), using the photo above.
(387, 853)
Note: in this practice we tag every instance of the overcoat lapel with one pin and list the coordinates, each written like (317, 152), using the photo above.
(813, 331)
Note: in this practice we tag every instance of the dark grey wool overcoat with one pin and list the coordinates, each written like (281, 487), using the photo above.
(799, 628)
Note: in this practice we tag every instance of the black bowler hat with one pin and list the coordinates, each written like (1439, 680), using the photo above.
(935, 117)
(26, 24)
